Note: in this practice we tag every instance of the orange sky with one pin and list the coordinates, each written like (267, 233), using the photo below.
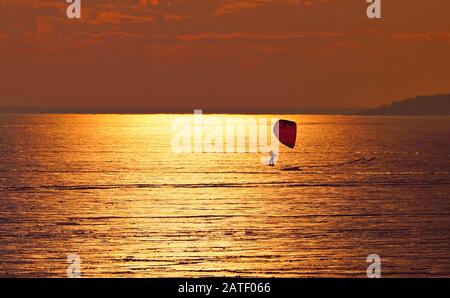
(222, 54)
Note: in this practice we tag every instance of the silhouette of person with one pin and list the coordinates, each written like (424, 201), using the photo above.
(272, 158)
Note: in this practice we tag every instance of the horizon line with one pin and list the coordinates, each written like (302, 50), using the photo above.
(178, 110)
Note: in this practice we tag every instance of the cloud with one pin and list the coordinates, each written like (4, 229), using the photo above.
(229, 7)
(438, 36)
(174, 17)
(148, 2)
(88, 40)
(44, 23)
(33, 3)
(258, 36)
(112, 17)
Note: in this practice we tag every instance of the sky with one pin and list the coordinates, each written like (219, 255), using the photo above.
(230, 54)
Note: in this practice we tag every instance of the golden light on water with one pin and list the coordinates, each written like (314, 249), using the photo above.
(110, 189)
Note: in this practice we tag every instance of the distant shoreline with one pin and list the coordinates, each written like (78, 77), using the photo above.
(428, 105)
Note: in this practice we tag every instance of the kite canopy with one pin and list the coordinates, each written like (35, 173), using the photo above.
(286, 132)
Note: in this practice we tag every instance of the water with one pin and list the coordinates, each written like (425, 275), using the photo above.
(110, 189)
